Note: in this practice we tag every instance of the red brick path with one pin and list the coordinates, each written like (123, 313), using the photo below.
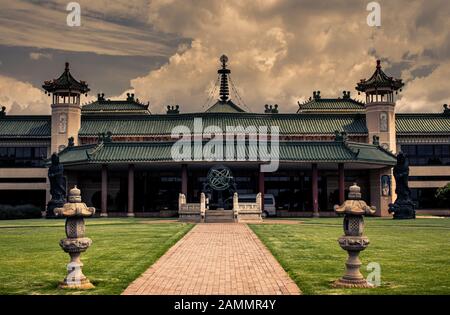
(222, 258)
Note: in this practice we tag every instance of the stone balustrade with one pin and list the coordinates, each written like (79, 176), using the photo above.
(242, 211)
(192, 212)
(247, 211)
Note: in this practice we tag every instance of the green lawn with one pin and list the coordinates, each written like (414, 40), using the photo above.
(414, 255)
(31, 261)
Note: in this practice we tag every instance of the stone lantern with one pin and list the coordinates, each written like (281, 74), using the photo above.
(74, 211)
(353, 241)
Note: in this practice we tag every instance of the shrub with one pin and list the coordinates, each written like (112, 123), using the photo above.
(28, 211)
(443, 195)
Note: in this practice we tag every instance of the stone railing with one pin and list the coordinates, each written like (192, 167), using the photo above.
(194, 212)
(247, 211)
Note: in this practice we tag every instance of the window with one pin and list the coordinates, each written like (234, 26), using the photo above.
(427, 154)
(425, 150)
(22, 156)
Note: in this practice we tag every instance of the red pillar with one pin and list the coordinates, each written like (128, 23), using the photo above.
(104, 210)
(261, 187)
(315, 190)
(130, 190)
(184, 179)
(341, 183)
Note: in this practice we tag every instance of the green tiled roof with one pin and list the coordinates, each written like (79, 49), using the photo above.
(224, 107)
(144, 152)
(289, 124)
(331, 105)
(379, 79)
(420, 123)
(115, 107)
(25, 127)
(66, 82)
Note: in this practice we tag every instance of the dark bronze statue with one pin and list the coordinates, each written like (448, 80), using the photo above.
(403, 207)
(57, 186)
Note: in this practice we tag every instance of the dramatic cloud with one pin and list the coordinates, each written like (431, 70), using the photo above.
(107, 27)
(37, 56)
(280, 51)
(22, 98)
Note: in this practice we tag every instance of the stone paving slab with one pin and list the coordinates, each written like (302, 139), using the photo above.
(215, 259)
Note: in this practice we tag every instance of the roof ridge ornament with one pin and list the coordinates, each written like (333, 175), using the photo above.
(446, 110)
(130, 97)
(173, 109)
(100, 97)
(105, 137)
(3, 112)
(271, 109)
(346, 95)
(340, 136)
(376, 140)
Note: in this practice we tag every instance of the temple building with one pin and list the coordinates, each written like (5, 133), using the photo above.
(120, 154)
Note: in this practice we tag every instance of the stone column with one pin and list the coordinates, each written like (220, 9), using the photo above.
(184, 180)
(315, 189)
(104, 210)
(130, 190)
(341, 183)
(261, 187)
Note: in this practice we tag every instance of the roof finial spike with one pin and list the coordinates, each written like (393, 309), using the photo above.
(224, 60)
(378, 64)
(224, 72)
(67, 66)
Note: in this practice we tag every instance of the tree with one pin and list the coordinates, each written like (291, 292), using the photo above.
(443, 195)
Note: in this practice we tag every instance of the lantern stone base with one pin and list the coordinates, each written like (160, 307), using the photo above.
(76, 280)
(343, 283)
(353, 277)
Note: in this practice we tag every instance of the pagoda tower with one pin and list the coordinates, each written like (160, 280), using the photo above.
(380, 92)
(66, 110)
(380, 106)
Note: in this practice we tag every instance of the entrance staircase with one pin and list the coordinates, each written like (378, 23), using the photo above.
(219, 216)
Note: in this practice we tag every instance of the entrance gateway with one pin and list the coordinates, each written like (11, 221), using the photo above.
(219, 201)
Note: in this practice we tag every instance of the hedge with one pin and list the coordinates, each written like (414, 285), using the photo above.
(8, 212)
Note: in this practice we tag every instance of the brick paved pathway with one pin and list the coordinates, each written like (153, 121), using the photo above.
(221, 258)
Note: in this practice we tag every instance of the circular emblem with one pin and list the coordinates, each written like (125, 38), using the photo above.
(219, 177)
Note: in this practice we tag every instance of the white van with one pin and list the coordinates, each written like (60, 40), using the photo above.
(269, 203)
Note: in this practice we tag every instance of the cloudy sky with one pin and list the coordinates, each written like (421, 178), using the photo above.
(167, 51)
